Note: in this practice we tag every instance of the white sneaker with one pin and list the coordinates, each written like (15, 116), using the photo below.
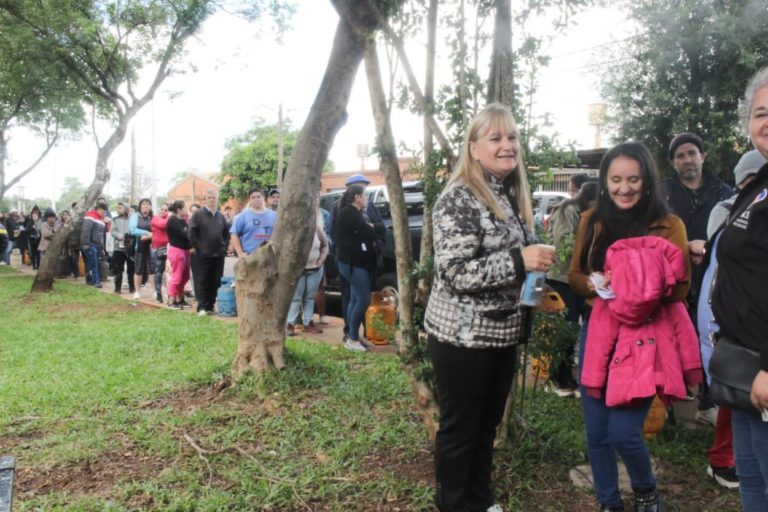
(355, 346)
(707, 416)
(202, 312)
(136, 296)
(495, 508)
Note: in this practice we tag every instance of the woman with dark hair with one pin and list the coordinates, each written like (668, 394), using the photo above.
(563, 223)
(740, 303)
(159, 249)
(178, 253)
(628, 206)
(32, 228)
(141, 229)
(356, 256)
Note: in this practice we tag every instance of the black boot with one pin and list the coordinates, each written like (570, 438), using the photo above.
(648, 501)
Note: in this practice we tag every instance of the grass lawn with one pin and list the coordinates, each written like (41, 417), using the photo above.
(109, 407)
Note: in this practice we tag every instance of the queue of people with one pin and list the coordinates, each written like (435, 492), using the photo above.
(663, 279)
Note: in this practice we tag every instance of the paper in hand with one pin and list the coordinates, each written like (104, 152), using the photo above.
(603, 291)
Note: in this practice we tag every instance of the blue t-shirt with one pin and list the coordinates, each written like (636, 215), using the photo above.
(253, 229)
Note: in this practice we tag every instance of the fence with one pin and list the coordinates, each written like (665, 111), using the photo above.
(557, 179)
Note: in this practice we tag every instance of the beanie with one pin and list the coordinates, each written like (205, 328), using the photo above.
(749, 163)
(684, 138)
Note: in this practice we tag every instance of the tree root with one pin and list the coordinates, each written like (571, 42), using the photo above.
(202, 452)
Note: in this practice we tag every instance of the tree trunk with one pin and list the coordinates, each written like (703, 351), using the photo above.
(430, 171)
(385, 142)
(267, 278)
(43, 281)
(501, 89)
(501, 85)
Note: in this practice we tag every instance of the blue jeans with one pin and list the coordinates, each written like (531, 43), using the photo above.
(91, 255)
(612, 430)
(359, 297)
(304, 296)
(750, 446)
(8, 251)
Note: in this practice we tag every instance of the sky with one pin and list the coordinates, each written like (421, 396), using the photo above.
(241, 74)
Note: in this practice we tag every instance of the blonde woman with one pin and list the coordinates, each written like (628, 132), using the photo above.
(483, 225)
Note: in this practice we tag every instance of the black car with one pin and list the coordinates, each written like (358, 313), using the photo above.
(378, 196)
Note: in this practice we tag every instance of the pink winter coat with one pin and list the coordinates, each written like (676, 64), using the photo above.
(638, 345)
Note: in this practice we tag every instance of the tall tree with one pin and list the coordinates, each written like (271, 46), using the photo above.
(267, 278)
(107, 47)
(685, 71)
(252, 158)
(35, 93)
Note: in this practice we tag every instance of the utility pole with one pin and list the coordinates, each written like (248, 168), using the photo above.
(280, 176)
(134, 174)
(154, 170)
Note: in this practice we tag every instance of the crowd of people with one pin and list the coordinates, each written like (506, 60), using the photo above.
(662, 278)
(659, 276)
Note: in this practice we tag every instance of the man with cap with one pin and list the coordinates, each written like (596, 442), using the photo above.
(374, 217)
(273, 199)
(692, 192)
(744, 172)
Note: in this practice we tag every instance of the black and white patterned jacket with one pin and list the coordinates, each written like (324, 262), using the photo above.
(479, 271)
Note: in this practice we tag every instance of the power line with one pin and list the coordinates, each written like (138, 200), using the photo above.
(582, 50)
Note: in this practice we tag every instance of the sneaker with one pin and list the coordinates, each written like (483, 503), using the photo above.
(707, 416)
(290, 330)
(688, 395)
(355, 346)
(175, 306)
(725, 476)
(323, 320)
(495, 508)
(561, 392)
(312, 328)
(159, 298)
(97, 285)
(184, 303)
(136, 295)
(202, 312)
(144, 285)
(209, 312)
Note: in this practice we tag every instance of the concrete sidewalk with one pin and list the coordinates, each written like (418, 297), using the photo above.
(332, 333)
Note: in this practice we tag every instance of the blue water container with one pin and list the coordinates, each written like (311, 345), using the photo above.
(225, 297)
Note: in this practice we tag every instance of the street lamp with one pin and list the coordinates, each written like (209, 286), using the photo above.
(596, 114)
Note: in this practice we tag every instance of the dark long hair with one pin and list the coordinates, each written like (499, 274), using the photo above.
(349, 195)
(617, 223)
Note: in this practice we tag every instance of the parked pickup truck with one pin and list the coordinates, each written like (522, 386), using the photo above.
(378, 196)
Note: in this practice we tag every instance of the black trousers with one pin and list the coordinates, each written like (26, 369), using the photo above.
(120, 261)
(472, 388)
(207, 280)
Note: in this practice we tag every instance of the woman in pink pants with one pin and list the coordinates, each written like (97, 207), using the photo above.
(178, 253)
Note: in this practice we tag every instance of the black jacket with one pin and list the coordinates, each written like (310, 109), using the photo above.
(209, 233)
(178, 235)
(354, 239)
(693, 207)
(740, 295)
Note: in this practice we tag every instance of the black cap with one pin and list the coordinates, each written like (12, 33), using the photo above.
(273, 191)
(685, 138)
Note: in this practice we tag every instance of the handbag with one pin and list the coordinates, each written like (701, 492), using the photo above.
(733, 368)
